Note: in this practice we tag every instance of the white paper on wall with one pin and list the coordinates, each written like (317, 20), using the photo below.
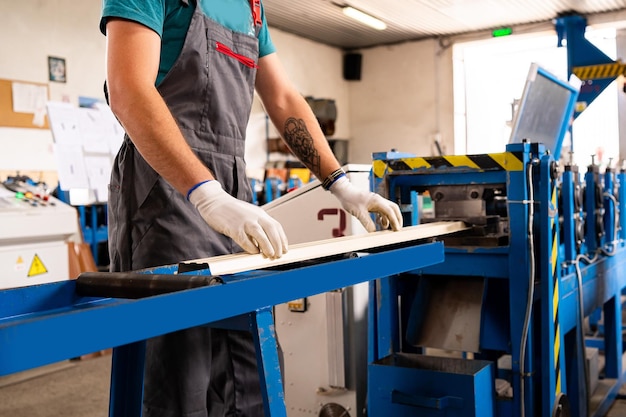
(99, 173)
(71, 166)
(64, 123)
(112, 128)
(28, 98)
(86, 142)
(92, 127)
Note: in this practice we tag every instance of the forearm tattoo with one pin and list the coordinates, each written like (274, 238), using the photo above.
(300, 141)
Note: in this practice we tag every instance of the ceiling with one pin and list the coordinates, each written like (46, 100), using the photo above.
(323, 20)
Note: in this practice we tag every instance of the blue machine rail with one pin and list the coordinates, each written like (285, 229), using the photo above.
(560, 250)
(49, 323)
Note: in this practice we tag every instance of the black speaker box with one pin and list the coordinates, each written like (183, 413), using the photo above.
(352, 66)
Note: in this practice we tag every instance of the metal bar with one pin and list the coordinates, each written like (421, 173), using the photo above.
(518, 273)
(372, 319)
(262, 323)
(581, 52)
(552, 357)
(613, 337)
(31, 336)
(479, 262)
(135, 285)
(335, 335)
(127, 380)
(387, 320)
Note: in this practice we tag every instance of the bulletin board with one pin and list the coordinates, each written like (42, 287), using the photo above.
(9, 118)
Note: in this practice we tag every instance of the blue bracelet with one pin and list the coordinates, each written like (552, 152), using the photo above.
(332, 178)
(192, 189)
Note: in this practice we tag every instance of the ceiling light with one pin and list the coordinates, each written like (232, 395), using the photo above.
(364, 18)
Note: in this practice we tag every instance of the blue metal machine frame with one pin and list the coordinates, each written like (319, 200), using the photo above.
(557, 237)
(595, 69)
(49, 323)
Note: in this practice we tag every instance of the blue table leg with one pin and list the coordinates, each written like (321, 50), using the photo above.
(613, 337)
(127, 380)
(268, 362)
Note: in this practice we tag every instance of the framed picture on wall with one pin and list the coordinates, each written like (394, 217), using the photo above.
(57, 69)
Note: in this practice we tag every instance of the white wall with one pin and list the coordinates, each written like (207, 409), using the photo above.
(30, 31)
(403, 101)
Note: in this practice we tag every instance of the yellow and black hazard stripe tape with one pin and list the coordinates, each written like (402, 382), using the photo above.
(508, 161)
(555, 299)
(596, 72)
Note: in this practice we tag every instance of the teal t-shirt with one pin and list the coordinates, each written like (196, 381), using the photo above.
(170, 19)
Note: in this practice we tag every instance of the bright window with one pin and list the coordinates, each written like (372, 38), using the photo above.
(490, 75)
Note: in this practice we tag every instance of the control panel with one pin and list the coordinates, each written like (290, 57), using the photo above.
(34, 230)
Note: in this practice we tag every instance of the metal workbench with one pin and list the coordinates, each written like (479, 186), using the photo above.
(43, 324)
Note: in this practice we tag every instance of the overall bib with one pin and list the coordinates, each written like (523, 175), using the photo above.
(199, 372)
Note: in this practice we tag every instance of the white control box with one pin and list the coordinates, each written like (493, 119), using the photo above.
(311, 213)
(33, 238)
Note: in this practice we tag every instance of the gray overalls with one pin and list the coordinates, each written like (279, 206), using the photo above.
(197, 372)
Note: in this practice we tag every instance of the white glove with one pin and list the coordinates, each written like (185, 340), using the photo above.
(248, 225)
(360, 203)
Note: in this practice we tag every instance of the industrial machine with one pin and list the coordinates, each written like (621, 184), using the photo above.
(51, 322)
(545, 250)
(34, 229)
(593, 67)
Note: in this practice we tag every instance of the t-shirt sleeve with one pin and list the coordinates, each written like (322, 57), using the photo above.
(266, 46)
(150, 13)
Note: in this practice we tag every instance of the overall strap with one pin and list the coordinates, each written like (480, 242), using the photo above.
(255, 5)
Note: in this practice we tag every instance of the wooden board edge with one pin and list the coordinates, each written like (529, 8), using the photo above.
(241, 262)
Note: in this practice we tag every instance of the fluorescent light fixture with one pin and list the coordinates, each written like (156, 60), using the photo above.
(364, 18)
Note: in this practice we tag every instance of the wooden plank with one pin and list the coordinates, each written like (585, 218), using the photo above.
(230, 264)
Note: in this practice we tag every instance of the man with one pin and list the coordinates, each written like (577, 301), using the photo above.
(181, 78)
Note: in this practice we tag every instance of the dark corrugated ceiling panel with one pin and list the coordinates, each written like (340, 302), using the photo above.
(323, 20)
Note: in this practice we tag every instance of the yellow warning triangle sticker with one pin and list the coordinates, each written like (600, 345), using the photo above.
(19, 260)
(37, 267)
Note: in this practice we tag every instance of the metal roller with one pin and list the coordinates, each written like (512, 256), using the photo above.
(134, 285)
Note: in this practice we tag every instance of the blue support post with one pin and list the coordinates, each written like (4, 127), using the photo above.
(269, 191)
(580, 53)
(94, 233)
(415, 212)
(621, 180)
(610, 232)
(552, 347)
(372, 328)
(127, 372)
(613, 336)
(262, 326)
(592, 188)
(255, 196)
(518, 273)
(568, 211)
(388, 334)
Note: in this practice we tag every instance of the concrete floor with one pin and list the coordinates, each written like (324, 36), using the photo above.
(67, 389)
(619, 408)
(81, 389)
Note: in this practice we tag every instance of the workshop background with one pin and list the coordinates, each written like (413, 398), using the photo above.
(442, 79)
(404, 99)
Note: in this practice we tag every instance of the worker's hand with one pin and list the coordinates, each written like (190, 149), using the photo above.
(360, 203)
(248, 225)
